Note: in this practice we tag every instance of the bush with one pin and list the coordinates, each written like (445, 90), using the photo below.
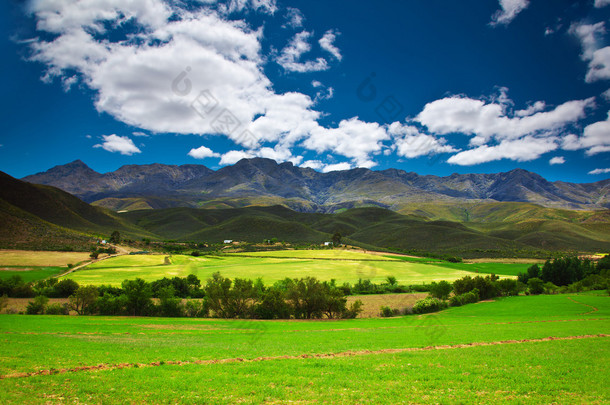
(3, 302)
(467, 298)
(57, 309)
(440, 290)
(535, 286)
(111, 305)
(428, 305)
(37, 306)
(353, 311)
(65, 288)
(196, 308)
(84, 299)
(386, 312)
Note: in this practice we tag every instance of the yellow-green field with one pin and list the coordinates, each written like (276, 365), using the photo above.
(343, 266)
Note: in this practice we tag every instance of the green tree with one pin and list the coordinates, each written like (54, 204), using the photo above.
(441, 290)
(535, 286)
(83, 300)
(138, 293)
(115, 237)
(337, 239)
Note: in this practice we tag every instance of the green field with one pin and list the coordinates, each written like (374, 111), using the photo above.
(416, 359)
(30, 273)
(344, 266)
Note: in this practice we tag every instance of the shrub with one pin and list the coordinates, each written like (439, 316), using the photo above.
(65, 288)
(428, 305)
(37, 306)
(196, 308)
(111, 305)
(386, 311)
(467, 298)
(535, 286)
(3, 302)
(57, 309)
(353, 311)
(440, 290)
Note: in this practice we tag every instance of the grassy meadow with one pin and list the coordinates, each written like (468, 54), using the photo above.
(341, 265)
(480, 353)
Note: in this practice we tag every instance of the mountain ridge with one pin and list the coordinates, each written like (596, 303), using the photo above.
(260, 181)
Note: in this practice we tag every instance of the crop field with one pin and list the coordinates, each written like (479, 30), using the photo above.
(343, 266)
(25, 258)
(528, 349)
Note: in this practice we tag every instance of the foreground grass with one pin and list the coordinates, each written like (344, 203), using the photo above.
(343, 266)
(541, 372)
(571, 371)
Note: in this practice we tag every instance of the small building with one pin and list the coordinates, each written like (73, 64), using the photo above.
(227, 241)
(328, 243)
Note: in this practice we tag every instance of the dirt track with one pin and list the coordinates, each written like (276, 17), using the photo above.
(292, 357)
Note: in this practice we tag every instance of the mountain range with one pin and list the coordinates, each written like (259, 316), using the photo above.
(442, 220)
(261, 181)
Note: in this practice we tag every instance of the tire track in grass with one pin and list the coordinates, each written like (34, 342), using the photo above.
(349, 353)
(586, 305)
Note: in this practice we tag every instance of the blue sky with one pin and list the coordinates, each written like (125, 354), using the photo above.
(435, 87)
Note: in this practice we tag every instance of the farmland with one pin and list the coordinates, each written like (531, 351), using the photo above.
(483, 352)
(344, 266)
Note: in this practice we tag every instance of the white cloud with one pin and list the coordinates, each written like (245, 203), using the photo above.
(601, 3)
(290, 56)
(532, 109)
(313, 164)
(606, 94)
(488, 120)
(279, 154)
(336, 167)
(509, 10)
(590, 36)
(294, 17)
(557, 160)
(264, 6)
(595, 138)
(234, 156)
(599, 66)
(353, 138)
(327, 43)
(202, 152)
(521, 150)
(139, 133)
(121, 144)
(600, 171)
(411, 143)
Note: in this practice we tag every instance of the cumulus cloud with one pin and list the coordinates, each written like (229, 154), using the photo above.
(294, 18)
(508, 12)
(279, 154)
(497, 131)
(595, 138)
(411, 143)
(336, 167)
(202, 152)
(600, 171)
(327, 43)
(121, 144)
(290, 56)
(264, 6)
(598, 58)
(313, 164)
(557, 160)
(521, 150)
(353, 138)
(469, 116)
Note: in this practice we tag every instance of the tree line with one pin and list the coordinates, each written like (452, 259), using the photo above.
(220, 297)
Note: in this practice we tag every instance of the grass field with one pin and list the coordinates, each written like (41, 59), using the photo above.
(27, 258)
(481, 353)
(30, 273)
(344, 266)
